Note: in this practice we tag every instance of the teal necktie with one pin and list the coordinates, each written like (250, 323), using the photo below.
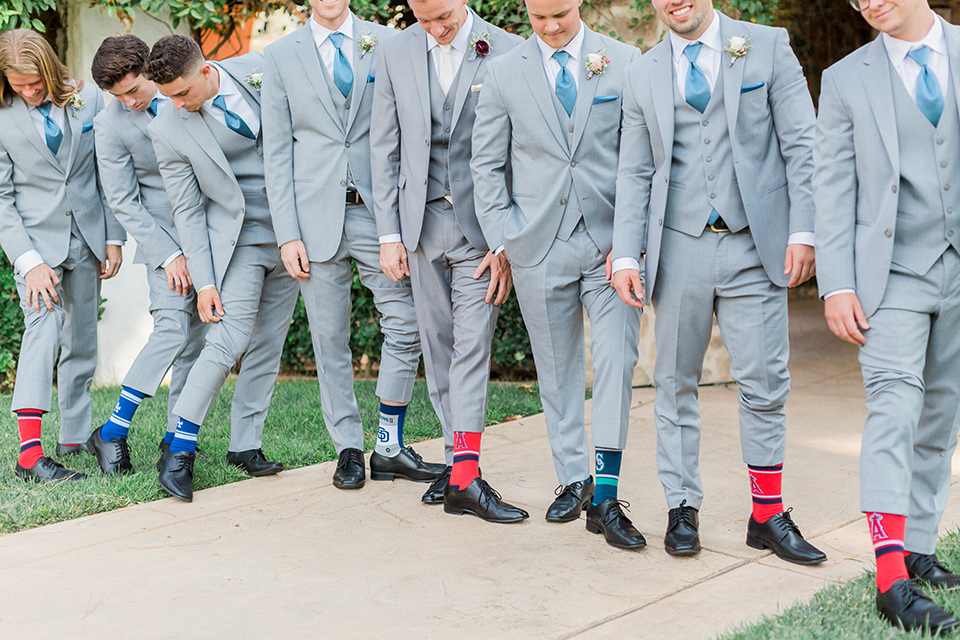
(929, 96)
(566, 88)
(51, 131)
(234, 122)
(697, 89)
(342, 73)
(152, 109)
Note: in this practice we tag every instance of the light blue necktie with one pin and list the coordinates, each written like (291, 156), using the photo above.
(566, 88)
(929, 96)
(697, 89)
(152, 109)
(51, 130)
(342, 73)
(234, 122)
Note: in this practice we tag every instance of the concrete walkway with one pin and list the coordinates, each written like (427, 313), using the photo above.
(292, 557)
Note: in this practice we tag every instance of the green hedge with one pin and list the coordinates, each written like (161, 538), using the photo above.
(11, 325)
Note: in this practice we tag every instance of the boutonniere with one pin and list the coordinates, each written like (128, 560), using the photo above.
(367, 43)
(76, 103)
(737, 46)
(597, 62)
(255, 79)
(480, 43)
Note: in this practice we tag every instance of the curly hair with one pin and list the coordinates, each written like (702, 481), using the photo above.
(27, 52)
(173, 57)
(117, 57)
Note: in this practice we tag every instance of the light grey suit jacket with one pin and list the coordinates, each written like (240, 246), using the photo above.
(208, 205)
(858, 171)
(517, 120)
(402, 104)
(771, 134)
(307, 146)
(36, 192)
(132, 183)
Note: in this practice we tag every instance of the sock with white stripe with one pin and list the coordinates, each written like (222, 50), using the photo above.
(608, 474)
(765, 491)
(886, 531)
(390, 434)
(119, 423)
(28, 423)
(185, 439)
(466, 458)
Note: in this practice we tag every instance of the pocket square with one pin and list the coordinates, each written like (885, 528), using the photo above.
(602, 99)
(476, 87)
(86, 127)
(750, 87)
(371, 78)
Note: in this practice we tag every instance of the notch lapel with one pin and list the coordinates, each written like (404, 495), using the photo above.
(587, 89)
(310, 59)
(732, 73)
(661, 77)
(469, 68)
(952, 36)
(194, 125)
(72, 120)
(875, 74)
(419, 61)
(361, 70)
(21, 116)
(532, 68)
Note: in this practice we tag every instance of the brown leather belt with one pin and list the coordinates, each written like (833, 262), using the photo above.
(353, 197)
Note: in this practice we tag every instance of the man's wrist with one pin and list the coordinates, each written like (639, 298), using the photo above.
(621, 264)
(801, 237)
(166, 263)
(26, 261)
(838, 292)
(390, 237)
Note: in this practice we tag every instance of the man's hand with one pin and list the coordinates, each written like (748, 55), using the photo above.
(209, 305)
(845, 318)
(42, 282)
(110, 268)
(393, 261)
(178, 276)
(501, 278)
(629, 287)
(294, 256)
(801, 264)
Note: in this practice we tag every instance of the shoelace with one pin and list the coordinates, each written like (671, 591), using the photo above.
(787, 522)
(416, 456)
(565, 488)
(683, 513)
(487, 492)
(925, 563)
(186, 462)
(616, 511)
(353, 455)
(122, 448)
(908, 593)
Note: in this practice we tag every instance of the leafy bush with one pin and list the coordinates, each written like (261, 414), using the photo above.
(11, 325)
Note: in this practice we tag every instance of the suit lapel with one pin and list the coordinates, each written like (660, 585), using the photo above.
(419, 61)
(732, 71)
(532, 68)
(587, 90)
(661, 78)
(76, 130)
(875, 73)
(468, 68)
(248, 92)
(361, 64)
(194, 125)
(139, 118)
(310, 59)
(22, 117)
(952, 36)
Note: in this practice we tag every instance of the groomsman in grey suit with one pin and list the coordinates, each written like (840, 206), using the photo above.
(714, 188)
(60, 237)
(317, 93)
(887, 158)
(134, 190)
(428, 80)
(551, 108)
(209, 152)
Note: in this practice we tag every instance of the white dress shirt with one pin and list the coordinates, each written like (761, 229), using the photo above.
(234, 101)
(458, 48)
(321, 36)
(550, 65)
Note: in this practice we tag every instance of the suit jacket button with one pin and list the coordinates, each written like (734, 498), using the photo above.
(343, 183)
(659, 222)
(346, 144)
(946, 187)
(233, 243)
(573, 163)
(446, 129)
(68, 213)
(888, 233)
(446, 107)
(893, 188)
(563, 201)
(939, 140)
(666, 179)
(713, 196)
(708, 159)
(950, 234)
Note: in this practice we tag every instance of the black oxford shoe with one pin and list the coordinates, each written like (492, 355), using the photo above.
(608, 518)
(46, 471)
(254, 462)
(165, 446)
(904, 606)
(71, 449)
(571, 501)
(479, 499)
(434, 493)
(407, 465)
(113, 456)
(350, 473)
(683, 535)
(783, 537)
(927, 568)
(176, 474)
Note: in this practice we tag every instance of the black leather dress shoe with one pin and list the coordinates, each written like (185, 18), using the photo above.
(113, 456)
(71, 449)
(434, 493)
(609, 519)
(904, 606)
(46, 470)
(479, 499)
(407, 465)
(683, 535)
(572, 500)
(350, 473)
(165, 446)
(254, 462)
(176, 474)
(783, 537)
(927, 568)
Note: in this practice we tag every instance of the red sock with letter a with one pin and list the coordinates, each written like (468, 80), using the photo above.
(886, 531)
(765, 491)
(28, 422)
(466, 458)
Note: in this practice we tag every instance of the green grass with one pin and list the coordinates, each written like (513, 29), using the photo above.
(294, 434)
(848, 611)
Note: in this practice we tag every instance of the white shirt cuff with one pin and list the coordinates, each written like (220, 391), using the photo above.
(27, 261)
(838, 292)
(209, 286)
(390, 237)
(116, 243)
(625, 263)
(174, 256)
(498, 250)
(801, 237)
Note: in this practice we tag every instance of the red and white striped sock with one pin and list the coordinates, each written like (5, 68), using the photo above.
(765, 491)
(28, 422)
(466, 458)
(886, 531)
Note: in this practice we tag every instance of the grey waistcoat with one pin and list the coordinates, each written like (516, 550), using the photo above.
(441, 119)
(572, 214)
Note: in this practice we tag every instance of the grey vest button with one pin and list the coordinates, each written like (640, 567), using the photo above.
(888, 233)
(563, 201)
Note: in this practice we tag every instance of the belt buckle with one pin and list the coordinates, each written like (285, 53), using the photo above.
(717, 229)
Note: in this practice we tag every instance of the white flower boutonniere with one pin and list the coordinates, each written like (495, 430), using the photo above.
(597, 62)
(76, 103)
(367, 43)
(255, 79)
(480, 43)
(738, 46)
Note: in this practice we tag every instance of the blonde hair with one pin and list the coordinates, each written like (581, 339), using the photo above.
(27, 52)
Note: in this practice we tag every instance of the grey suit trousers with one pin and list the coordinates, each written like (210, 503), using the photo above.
(258, 297)
(176, 341)
(326, 295)
(911, 372)
(716, 273)
(552, 297)
(70, 330)
(456, 323)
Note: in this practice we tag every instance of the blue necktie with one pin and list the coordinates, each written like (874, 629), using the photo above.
(566, 88)
(697, 89)
(342, 73)
(152, 109)
(51, 130)
(233, 121)
(929, 96)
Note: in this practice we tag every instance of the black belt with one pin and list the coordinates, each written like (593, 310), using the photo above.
(353, 197)
(719, 226)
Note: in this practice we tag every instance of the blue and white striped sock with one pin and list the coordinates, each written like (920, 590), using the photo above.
(185, 439)
(390, 433)
(119, 423)
(608, 474)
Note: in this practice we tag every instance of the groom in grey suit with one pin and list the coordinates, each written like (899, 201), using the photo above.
(714, 188)
(428, 81)
(551, 108)
(887, 163)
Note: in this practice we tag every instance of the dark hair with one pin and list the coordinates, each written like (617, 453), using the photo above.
(173, 57)
(116, 57)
